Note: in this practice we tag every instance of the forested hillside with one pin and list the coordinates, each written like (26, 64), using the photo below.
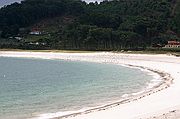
(73, 24)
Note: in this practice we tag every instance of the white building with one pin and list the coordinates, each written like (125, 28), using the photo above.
(35, 33)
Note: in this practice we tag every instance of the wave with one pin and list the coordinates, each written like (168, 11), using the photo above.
(54, 115)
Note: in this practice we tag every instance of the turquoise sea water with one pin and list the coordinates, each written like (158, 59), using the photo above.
(30, 87)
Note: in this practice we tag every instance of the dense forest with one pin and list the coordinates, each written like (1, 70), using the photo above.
(74, 24)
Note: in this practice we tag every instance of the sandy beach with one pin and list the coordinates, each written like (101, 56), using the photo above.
(162, 102)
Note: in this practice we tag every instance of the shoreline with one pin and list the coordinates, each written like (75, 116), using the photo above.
(168, 80)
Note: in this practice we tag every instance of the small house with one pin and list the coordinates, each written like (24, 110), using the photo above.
(18, 38)
(35, 31)
(173, 44)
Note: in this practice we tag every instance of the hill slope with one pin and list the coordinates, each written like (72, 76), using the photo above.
(73, 24)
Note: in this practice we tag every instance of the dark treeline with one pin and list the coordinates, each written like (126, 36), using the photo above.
(110, 25)
(28, 12)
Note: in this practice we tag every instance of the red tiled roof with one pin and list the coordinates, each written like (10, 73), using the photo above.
(173, 43)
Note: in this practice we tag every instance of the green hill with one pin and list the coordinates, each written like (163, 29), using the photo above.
(73, 24)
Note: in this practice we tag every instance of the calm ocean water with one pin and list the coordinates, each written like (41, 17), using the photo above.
(30, 87)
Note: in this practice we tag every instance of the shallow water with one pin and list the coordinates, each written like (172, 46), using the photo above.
(30, 87)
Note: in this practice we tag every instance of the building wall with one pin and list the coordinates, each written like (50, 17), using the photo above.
(172, 46)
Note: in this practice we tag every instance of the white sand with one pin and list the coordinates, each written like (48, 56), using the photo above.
(155, 105)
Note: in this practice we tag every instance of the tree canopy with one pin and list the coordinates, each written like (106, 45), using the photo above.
(110, 25)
